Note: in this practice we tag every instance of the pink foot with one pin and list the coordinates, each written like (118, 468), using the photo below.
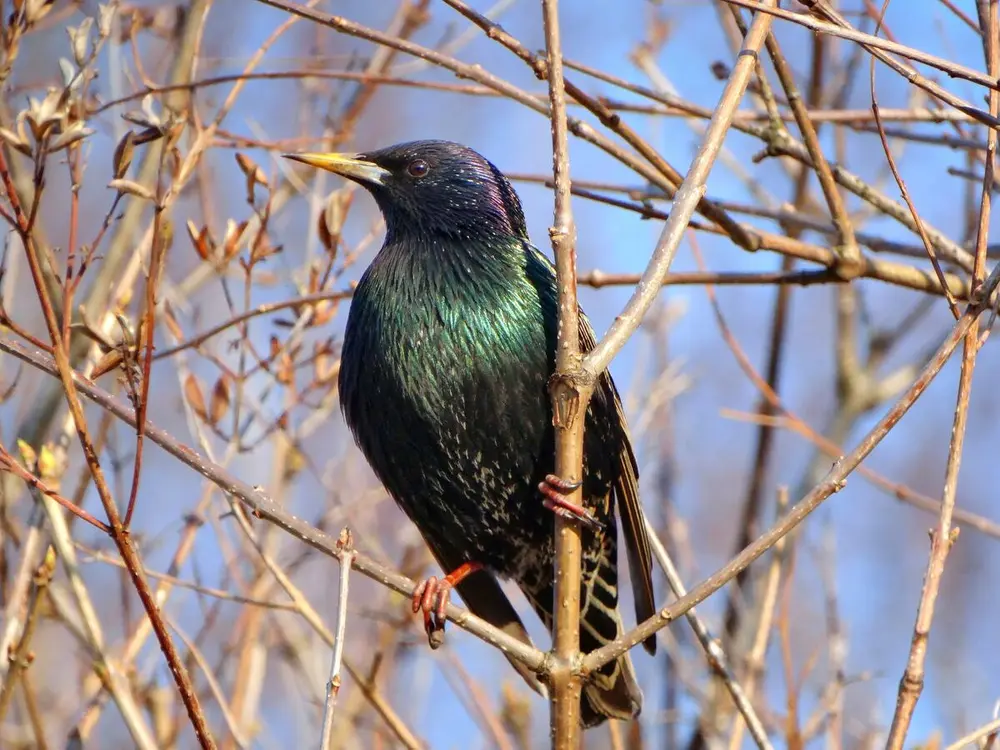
(431, 596)
(554, 489)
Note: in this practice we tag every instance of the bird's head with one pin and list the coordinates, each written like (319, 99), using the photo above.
(432, 189)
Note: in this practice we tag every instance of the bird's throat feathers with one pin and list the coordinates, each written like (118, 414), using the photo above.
(459, 304)
(445, 271)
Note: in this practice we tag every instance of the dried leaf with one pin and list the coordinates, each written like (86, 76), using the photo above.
(285, 373)
(326, 366)
(112, 360)
(75, 132)
(220, 399)
(15, 141)
(123, 154)
(331, 219)
(202, 241)
(192, 393)
(79, 38)
(105, 15)
(254, 175)
(132, 188)
(234, 233)
(36, 10)
(69, 72)
(146, 118)
(148, 135)
(323, 313)
(43, 115)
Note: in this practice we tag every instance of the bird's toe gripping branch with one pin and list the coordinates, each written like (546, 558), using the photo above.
(555, 490)
(431, 596)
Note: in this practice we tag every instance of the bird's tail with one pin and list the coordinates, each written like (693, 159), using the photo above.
(612, 692)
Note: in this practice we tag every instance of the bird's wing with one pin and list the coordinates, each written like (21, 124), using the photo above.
(483, 596)
(640, 559)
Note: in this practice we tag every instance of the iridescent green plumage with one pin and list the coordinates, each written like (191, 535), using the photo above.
(449, 346)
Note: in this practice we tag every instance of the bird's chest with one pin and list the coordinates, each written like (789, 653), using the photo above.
(448, 403)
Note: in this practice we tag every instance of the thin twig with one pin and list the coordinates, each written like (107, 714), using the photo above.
(713, 650)
(346, 545)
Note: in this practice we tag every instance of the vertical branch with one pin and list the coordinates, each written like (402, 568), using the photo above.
(943, 535)
(346, 544)
(570, 396)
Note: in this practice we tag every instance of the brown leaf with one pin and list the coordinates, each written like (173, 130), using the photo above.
(331, 219)
(201, 240)
(326, 365)
(253, 174)
(192, 392)
(123, 154)
(132, 188)
(220, 399)
(313, 283)
(110, 361)
(323, 313)
(285, 373)
(234, 233)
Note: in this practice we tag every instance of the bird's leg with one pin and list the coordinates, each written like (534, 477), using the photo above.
(555, 489)
(431, 595)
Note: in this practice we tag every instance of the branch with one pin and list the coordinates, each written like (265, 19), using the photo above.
(570, 397)
(690, 192)
(833, 482)
(943, 535)
(346, 546)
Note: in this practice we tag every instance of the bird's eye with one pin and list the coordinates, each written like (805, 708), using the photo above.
(417, 168)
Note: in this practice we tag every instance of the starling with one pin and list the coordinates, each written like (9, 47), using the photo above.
(449, 347)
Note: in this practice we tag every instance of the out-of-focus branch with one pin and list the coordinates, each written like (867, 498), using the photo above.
(714, 652)
(346, 545)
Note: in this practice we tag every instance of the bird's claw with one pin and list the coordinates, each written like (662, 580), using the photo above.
(431, 596)
(555, 489)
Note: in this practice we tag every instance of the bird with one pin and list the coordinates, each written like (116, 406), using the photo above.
(448, 349)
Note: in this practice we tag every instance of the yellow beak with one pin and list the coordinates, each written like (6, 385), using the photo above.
(346, 165)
